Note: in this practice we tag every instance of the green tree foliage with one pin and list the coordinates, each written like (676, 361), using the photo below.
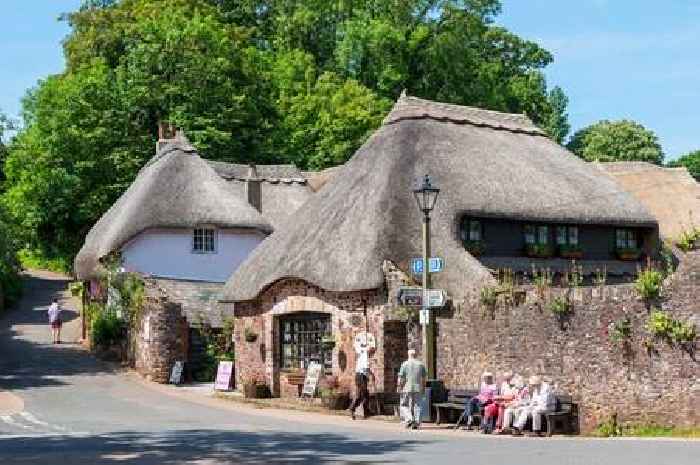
(302, 81)
(690, 161)
(624, 140)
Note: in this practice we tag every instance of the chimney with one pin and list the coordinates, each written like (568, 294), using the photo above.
(253, 188)
(167, 132)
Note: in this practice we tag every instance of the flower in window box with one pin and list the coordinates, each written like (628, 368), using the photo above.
(539, 250)
(475, 248)
(570, 251)
(628, 253)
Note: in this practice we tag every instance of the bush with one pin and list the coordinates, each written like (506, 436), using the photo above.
(107, 329)
(648, 283)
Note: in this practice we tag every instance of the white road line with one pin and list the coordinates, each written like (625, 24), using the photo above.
(11, 421)
(32, 419)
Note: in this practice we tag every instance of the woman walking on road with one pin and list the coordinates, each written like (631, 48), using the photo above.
(55, 321)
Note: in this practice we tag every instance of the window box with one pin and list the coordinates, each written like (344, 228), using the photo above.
(570, 252)
(475, 248)
(539, 250)
(628, 254)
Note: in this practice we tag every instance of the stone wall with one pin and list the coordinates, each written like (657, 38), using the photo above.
(660, 387)
(161, 338)
(350, 313)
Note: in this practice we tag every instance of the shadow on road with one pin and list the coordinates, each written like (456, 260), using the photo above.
(27, 358)
(202, 446)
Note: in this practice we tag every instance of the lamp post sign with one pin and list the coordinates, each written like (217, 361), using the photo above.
(435, 265)
(415, 296)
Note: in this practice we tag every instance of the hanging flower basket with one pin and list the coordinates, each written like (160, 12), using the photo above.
(249, 335)
(629, 254)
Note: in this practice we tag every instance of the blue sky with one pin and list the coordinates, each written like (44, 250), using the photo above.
(615, 59)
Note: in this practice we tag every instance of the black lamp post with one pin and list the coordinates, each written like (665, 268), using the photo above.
(426, 195)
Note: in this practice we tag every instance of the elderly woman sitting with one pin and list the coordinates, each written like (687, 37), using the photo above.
(487, 393)
(493, 413)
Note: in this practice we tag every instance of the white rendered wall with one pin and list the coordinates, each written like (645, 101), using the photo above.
(168, 253)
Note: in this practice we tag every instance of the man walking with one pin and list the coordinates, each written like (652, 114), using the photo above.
(412, 377)
(361, 380)
(55, 321)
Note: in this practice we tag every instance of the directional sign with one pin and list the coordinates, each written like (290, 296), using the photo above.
(435, 264)
(413, 297)
(435, 298)
(410, 296)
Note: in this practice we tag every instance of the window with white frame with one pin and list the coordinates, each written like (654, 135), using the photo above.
(204, 240)
(567, 235)
(625, 239)
(536, 234)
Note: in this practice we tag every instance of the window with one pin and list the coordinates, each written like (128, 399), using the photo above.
(625, 239)
(536, 234)
(567, 235)
(471, 230)
(300, 341)
(204, 240)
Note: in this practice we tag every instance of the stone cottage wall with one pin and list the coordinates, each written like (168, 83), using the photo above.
(350, 313)
(161, 337)
(662, 387)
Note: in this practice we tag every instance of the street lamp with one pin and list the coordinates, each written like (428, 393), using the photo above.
(426, 195)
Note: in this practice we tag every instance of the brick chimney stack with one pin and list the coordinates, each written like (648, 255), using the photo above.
(167, 132)
(253, 187)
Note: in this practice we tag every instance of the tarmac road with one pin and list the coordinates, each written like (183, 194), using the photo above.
(58, 405)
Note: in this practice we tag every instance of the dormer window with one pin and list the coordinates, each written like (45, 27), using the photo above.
(471, 230)
(204, 240)
(567, 235)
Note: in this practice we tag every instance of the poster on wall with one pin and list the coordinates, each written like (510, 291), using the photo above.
(313, 375)
(176, 373)
(224, 376)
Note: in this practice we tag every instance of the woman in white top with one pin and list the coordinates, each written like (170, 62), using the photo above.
(55, 321)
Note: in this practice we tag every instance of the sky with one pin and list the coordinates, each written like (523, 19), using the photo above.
(615, 59)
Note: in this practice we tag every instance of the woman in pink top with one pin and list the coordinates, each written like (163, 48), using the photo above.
(487, 392)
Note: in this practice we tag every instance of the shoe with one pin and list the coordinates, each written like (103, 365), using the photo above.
(533, 434)
(516, 432)
(352, 414)
(415, 426)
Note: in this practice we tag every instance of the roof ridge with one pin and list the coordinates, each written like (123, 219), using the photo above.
(413, 108)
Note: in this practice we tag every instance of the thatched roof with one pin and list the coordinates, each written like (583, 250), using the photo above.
(672, 195)
(175, 189)
(284, 187)
(485, 162)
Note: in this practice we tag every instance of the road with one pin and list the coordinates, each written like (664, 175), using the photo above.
(58, 405)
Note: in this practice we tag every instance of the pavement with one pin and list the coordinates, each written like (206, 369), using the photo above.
(59, 405)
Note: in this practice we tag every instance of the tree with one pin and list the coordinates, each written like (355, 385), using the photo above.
(556, 122)
(624, 140)
(690, 161)
(6, 125)
(265, 81)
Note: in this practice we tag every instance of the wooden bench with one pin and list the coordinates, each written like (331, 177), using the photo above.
(456, 400)
(562, 420)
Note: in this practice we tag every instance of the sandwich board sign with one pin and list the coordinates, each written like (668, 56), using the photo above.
(224, 375)
(313, 376)
(176, 373)
(435, 265)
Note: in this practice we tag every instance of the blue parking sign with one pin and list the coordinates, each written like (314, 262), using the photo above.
(435, 265)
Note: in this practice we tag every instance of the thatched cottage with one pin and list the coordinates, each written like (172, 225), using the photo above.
(510, 197)
(188, 223)
(672, 195)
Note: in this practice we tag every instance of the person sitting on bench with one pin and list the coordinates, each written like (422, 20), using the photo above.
(542, 401)
(487, 392)
(493, 413)
(516, 406)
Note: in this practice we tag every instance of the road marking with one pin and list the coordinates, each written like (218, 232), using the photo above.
(32, 419)
(10, 421)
